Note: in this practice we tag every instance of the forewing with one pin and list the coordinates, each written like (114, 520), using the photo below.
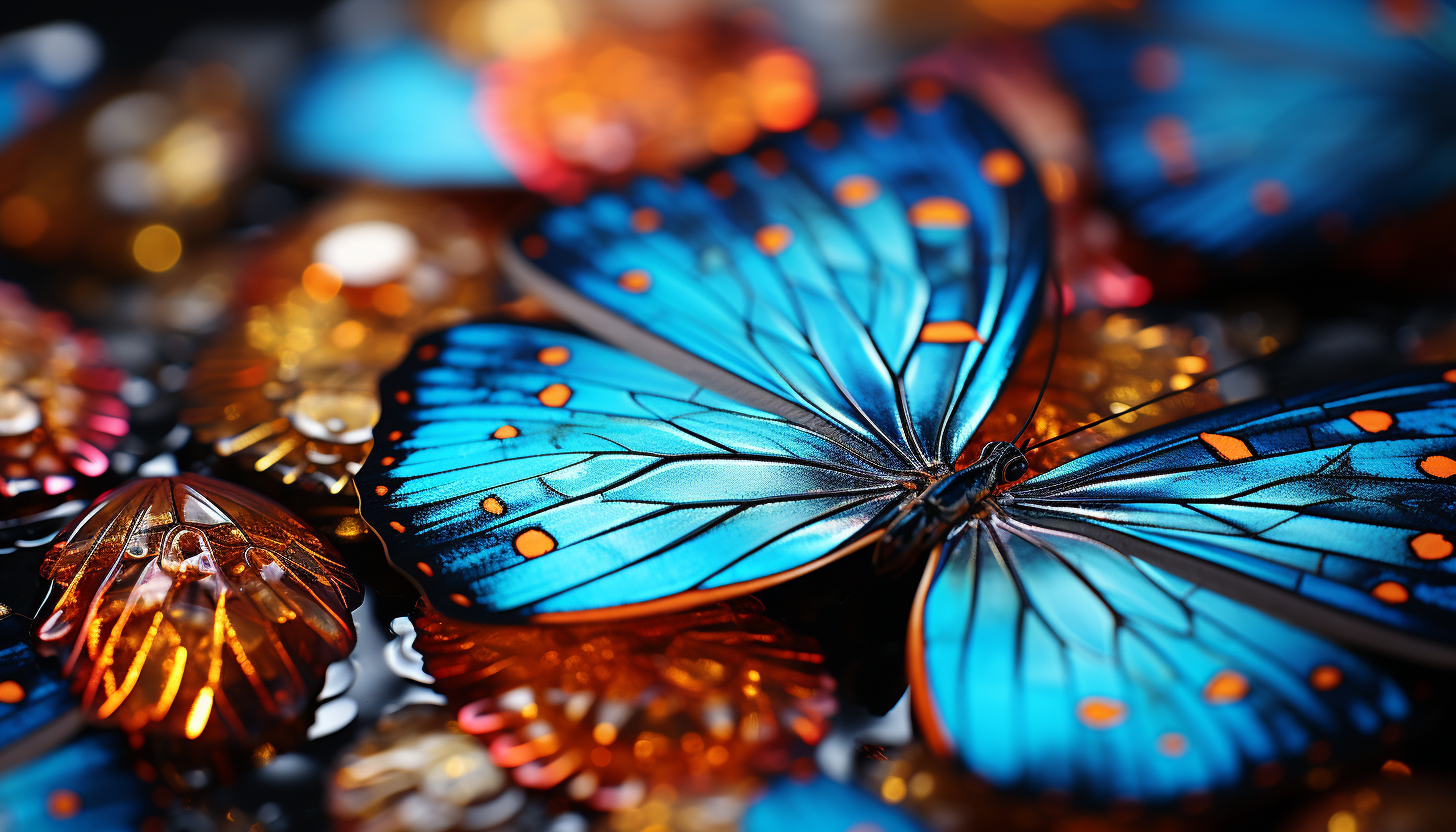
(1336, 509)
(528, 471)
(863, 277)
(1051, 662)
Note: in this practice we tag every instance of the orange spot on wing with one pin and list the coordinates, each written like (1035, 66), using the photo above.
(1270, 197)
(1449, 376)
(493, 506)
(554, 356)
(1372, 421)
(555, 395)
(1439, 466)
(427, 352)
(1172, 744)
(635, 281)
(1101, 712)
(506, 432)
(645, 220)
(1391, 592)
(387, 461)
(381, 490)
(939, 212)
(425, 569)
(1326, 677)
(1225, 688)
(394, 435)
(856, 190)
(397, 526)
(533, 543)
(460, 600)
(1227, 447)
(1002, 167)
(1431, 546)
(402, 396)
(62, 804)
(773, 239)
(11, 692)
(534, 246)
(949, 332)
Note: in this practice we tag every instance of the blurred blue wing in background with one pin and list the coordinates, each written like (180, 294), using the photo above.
(33, 693)
(1231, 124)
(86, 785)
(823, 805)
(400, 113)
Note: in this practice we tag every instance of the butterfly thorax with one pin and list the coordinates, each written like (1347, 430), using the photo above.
(948, 502)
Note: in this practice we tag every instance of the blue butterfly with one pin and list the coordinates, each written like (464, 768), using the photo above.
(399, 112)
(807, 338)
(86, 785)
(1230, 124)
(822, 805)
(36, 709)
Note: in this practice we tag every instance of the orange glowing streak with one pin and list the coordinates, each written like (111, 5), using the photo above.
(509, 754)
(1228, 447)
(197, 717)
(132, 672)
(1431, 546)
(950, 332)
(1372, 421)
(1226, 687)
(425, 569)
(922, 701)
(700, 597)
(1441, 467)
(1101, 713)
(174, 684)
(939, 213)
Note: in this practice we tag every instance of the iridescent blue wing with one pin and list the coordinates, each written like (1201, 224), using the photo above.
(33, 695)
(1229, 124)
(528, 471)
(86, 785)
(398, 112)
(823, 805)
(863, 278)
(1336, 509)
(1051, 662)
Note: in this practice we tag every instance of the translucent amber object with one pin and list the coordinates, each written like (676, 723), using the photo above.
(1105, 365)
(710, 696)
(59, 414)
(623, 99)
(292, 393)
(193, 608)
(418, 770)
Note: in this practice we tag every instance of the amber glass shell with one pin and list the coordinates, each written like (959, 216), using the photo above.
(694, 699)
(193, 608)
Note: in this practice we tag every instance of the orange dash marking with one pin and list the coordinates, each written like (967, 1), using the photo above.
(460, 600)
(381, 490)
(1372, 421)
(773, 239)
(856, 191)
(387, 461)
(554, 356)
(635, 281)
(1449, 376)
(493, 506)
(1101, 713)
(1431, 546)
(402, 396)
(949, 332)
(1002, 167)
(1226, 687)
(939, 213)
(533, 543)
(1326, 677)
(1391, 592)
(506, 432)
(62, 804)
(1227, 447)
(397, 526)
(1439, 466)
(394, 435)
(425, 569)
(555, 395)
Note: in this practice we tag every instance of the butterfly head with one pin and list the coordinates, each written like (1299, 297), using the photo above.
(1003, 462)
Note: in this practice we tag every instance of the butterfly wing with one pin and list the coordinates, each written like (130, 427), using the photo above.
(823, 805)
(1335, 509)
(529, 471)
(1052, 662)
(1229, 125)
(872, 278)
(33, 695)
(86, 785)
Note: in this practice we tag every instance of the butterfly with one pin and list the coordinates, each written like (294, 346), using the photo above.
(87, 784)
(806, 337)
(1230, 124)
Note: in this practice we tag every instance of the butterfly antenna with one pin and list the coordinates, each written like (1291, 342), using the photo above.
(1154, 400)
(1060, 303)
